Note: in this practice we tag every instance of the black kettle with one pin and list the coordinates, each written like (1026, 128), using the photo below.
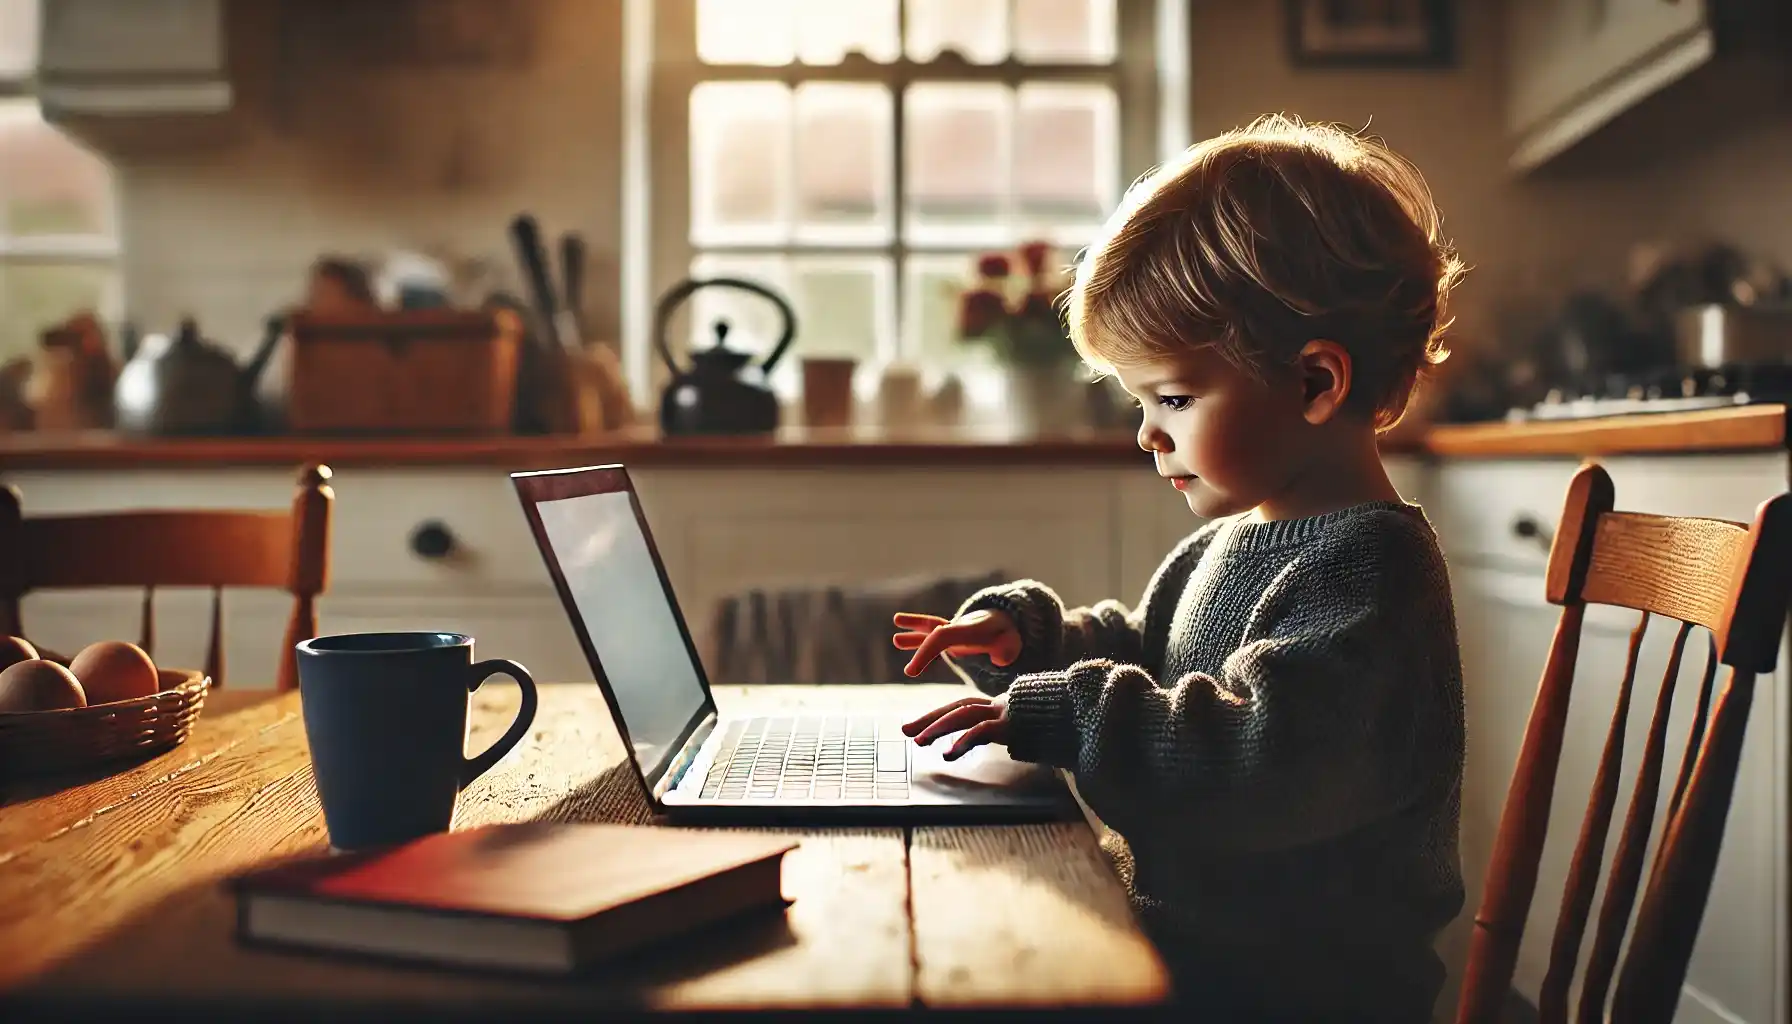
(722, 392)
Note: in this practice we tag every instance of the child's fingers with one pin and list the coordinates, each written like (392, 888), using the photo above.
(911, 620)
(987, 731)
(922, 722)
(908, 641)
(956, 719)
(942, 639)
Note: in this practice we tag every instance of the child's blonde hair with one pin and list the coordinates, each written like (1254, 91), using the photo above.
(1262, 239)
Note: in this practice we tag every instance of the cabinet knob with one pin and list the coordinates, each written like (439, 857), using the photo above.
(1526, 527)
(432, 539)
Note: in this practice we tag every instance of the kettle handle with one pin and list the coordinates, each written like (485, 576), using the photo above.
(683, 291)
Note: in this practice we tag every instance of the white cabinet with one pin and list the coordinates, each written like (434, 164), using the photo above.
(1090, 532)
(1574, 65)
(1506, 628)
(113, 57)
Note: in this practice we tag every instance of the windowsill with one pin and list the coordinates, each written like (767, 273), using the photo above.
(794, 446)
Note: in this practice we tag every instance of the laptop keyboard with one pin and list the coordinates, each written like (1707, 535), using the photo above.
(809, 757)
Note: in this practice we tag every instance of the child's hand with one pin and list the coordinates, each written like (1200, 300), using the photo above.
(981, 632)
(983, 719)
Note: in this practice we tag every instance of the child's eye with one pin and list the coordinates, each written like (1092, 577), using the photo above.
(1174, 402)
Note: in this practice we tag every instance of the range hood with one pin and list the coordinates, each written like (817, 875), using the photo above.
(1584, 73)
(132, 58)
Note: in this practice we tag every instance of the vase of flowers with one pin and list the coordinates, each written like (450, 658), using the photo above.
(1019, 323)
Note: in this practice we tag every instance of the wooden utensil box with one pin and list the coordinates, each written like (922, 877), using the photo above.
(428, 371)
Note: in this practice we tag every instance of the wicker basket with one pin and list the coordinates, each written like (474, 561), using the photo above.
(38, 742)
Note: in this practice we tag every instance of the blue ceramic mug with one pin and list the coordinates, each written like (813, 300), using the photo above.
(386, 721)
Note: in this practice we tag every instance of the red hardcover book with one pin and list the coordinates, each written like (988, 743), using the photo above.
(538, 897)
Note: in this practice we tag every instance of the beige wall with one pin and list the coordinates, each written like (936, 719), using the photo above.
(358, 159)
(346, 158)
(1526, 238)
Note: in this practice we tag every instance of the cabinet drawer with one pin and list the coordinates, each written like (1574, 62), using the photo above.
(1479, 509)
(381, 513)
(1717, 486)
(1478, 506)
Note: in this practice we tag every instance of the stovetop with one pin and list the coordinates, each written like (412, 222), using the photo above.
(1674, 390)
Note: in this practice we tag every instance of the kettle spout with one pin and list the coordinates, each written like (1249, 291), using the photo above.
(273, 328)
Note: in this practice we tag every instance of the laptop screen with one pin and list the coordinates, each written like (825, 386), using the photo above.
(629, 617)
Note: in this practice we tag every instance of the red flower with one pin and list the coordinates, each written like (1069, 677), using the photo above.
(979, 311)
(1033, 254)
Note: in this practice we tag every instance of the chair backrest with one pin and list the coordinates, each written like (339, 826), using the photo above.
(1733, 580)
(285, 549)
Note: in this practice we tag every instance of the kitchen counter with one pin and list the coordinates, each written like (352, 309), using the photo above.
(1755, 428)
(1745, 429)
(791, 447)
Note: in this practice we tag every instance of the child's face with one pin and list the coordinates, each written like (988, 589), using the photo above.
(1227, 440)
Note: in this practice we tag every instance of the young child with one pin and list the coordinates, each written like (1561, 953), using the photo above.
(1276, 729)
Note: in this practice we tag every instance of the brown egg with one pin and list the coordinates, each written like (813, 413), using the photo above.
(39, 685)
(115, 670)
(14, 649)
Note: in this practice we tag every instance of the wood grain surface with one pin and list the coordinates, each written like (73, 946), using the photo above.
(1075, 942)
(112, 887)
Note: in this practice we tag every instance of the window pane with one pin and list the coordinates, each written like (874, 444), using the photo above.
(740, 162)
(843, 163)
(34, 296)
(957, 163)
(49, 184)
(827, 30)
(1064, 31)
(1066, 154)
(976, 29)
(745, 32)
(18, 38)
(931, 285)
(844, 306)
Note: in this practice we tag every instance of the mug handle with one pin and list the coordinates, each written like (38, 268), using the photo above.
(473, 767)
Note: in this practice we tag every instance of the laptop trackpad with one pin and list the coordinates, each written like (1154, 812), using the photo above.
(981, 769)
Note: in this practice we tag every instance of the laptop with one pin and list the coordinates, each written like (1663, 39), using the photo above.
(844, 762)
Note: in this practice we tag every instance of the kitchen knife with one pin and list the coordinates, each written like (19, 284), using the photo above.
(525, 234)
(572, 273)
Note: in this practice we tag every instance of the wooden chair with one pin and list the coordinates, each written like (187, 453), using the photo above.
(1729, 578)
(288, 550)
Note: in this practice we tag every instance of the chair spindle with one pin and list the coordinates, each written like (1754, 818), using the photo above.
(1627, 862)
(214, 652)
(1667, 925)
(1589, 850)
(147, 621)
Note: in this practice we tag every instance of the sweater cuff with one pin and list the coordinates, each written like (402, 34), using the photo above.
(1037, 614)
(1041, 725)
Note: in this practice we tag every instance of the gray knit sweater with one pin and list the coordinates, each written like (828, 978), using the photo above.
(1277, 733)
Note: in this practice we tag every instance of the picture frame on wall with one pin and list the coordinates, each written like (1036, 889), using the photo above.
(1370, 33)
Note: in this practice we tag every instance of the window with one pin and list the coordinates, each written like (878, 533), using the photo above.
(58, 218)
(857, 155)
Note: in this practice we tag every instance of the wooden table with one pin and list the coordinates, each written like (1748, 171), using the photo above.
(109, 889)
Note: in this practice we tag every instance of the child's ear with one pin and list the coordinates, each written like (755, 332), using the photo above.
(1324, 368)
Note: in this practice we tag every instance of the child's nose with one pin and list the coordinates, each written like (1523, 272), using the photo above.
(1152, 439)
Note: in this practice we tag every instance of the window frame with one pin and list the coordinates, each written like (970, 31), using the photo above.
(661, 68)
(18, 90)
